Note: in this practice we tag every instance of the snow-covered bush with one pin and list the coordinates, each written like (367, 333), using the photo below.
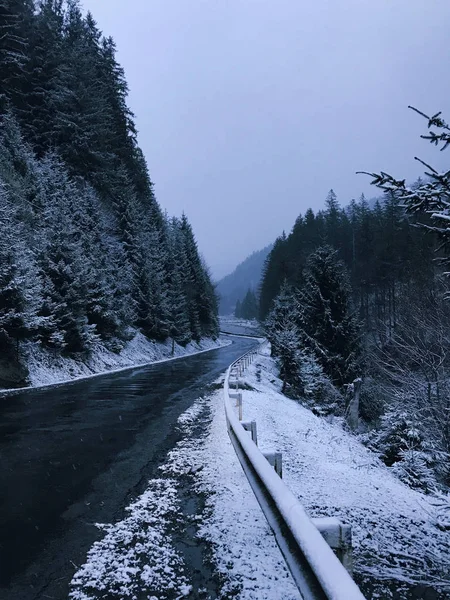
(399, 432)
(289, 360)
(320, 395)
(311, 375)
(403, 444)
(415, 468)
(411, 370)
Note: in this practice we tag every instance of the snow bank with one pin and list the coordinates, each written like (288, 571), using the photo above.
(395, 532)
(48, 368)
(232, 324)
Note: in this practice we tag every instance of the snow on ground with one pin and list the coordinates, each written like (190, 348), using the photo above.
(395, 532)
(243, 548)
(242, 552)
(136, 553)
(231, 324)
(396, 540)
(47, 368)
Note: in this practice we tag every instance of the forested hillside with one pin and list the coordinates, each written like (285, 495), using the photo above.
(360, 293)
(247, 275)
(380, 246)
(86, 253)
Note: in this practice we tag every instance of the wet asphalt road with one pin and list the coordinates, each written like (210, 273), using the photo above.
(78, 454)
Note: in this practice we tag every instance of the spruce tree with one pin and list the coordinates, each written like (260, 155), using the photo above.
(63, 268)
(327, 323)
(277, 269)
(200, 293)
(249, 306)
(282, 331)
(15, 27)
(17, 281)
(178, 318)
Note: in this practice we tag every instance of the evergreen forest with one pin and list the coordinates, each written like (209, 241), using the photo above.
(86, 253)
(246, 276)
(359, 293)
(248, 308)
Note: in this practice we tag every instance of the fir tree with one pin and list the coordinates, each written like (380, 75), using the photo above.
(249, 306)
(326, 318)
(178, 320)
(15, 28)
(17, 281)
(282, 331)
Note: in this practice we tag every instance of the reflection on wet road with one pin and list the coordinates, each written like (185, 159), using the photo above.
(75, 455)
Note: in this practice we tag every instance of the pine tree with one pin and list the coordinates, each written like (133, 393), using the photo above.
(249, 306)
(332, 219)
(63, 269)
(19, 287)
(276, 270)
(200, 293)
(44, 90)
(15, 27)
(282, 331)
(104, 277)
(326, 318)
(153, 289)
(179, 326)
(429, 199)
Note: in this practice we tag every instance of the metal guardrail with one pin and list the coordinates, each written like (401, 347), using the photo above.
(316, 569)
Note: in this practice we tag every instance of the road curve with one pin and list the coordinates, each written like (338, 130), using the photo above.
(76, 455)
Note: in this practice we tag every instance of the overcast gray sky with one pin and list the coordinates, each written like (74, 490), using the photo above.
(249, 111)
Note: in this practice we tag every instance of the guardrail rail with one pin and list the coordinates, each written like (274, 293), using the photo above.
(306, 544)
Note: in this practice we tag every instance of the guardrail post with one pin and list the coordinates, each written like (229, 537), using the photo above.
(251, 426)
(238, 397)
(276, 460)
(346, 553)
(339, 537)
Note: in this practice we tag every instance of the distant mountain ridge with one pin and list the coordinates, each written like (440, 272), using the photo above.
(246, 275)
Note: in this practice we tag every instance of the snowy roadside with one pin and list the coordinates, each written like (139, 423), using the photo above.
(397, 544)
(231, 324)
(48, 369)
(399, 549)
(141, 555)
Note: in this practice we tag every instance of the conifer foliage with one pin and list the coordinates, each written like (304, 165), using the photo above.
(312, 328)
(380, 249)
(329, 328)
(358, 291)
(85, 251)
(248, 308)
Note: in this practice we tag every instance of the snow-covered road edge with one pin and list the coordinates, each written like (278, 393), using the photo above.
(46, 371)
(399, 549)
(132, 553)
